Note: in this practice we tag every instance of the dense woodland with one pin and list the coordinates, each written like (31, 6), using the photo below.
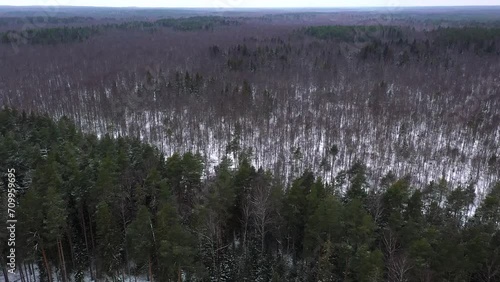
(252, 146)
(115, 207)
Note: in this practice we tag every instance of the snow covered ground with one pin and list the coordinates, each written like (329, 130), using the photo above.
(422, 147)
(16, 277)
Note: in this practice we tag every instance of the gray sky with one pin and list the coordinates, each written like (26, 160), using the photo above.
(250, 3)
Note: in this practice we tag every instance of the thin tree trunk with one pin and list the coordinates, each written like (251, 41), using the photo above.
(70, 247)
(47, 266)
(21, 273)
(84, 227)
(93, 248)
(150, 270)
(179, 274)
(32, 266)
(126, 248)
(63, 262)
(32, 271)
(4, 269)
(24, 275)
(60, 260)
(27, 272)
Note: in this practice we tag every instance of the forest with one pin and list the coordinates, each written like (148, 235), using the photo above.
(250, 145)
(114, 206)
(111, 207)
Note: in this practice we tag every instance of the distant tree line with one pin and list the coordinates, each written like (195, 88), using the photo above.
(54, 35)
(42, 20)
(470, 37)
(49, 35)
(354, 33)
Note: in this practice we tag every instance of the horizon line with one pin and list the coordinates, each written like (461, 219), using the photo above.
(252, 7)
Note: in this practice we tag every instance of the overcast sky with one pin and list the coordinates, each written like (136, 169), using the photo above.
(251, 3)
